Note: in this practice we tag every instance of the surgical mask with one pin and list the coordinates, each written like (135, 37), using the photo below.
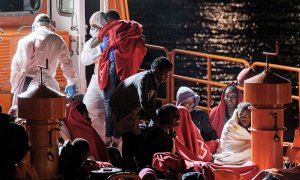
(94, 32)
(33, 27)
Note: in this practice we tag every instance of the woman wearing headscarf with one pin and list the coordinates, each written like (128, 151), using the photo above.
(79, 125)
(220, 114)
(188, 98)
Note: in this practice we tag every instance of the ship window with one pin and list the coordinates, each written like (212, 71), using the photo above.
(66, 7)
(19, 7)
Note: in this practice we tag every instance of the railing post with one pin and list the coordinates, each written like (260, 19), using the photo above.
(171, 80)
(208, 85)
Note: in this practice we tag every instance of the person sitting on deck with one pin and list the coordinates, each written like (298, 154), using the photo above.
(189, 143)
(157, 136)
(14, 146)
(220, 114)
(79, 126)
(188, 98)
(235, 142)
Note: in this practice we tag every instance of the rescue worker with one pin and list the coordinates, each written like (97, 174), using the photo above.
(93, 99)
(33, 50)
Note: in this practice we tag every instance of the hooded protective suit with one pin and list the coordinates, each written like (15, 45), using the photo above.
(33, 50)
(93, 99)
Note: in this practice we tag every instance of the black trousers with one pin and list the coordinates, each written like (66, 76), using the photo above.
(129, 149)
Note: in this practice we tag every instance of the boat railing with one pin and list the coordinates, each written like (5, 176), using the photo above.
(209, 82)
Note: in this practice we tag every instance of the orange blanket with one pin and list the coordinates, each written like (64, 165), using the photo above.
(125, 37)
(189, 143)
(79, 127)
(167, 162)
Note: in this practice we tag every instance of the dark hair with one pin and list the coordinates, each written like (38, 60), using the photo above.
(162, 63)
(81, 108)
(112, 15)
(0, 108)
(80, 146)
(242, 106)
(77, 97)
(164, 114)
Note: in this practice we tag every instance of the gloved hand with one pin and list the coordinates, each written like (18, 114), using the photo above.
(111, 55)
(70, 90)
(104, 43)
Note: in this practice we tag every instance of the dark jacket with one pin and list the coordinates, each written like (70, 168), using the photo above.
(138, 92)
(200, 119)
(153, 139)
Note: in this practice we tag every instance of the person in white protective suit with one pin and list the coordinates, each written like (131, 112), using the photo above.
(93, 99)
(33, 50)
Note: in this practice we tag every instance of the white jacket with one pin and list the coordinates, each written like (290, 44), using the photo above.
(33, 50)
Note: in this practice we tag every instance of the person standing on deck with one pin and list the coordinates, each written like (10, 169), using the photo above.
(93, 98)
(120, 59)
(135, 95)
(33, 50)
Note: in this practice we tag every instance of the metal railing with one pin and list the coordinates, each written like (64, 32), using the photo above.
(209, 82)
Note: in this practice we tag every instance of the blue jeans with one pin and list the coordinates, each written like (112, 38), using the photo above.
(112, 84)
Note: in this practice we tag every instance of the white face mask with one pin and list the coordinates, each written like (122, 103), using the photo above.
(94, 32)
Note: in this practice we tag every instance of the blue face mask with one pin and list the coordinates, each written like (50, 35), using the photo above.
(33, 27)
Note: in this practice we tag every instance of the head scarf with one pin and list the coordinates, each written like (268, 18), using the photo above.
(217, 114)
(184, 93)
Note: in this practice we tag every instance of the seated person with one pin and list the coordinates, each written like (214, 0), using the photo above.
(189, 99)
(72, 158)
(190, 146)
(14, 146)
(219, 115)
(244, 75)
(235, 142)
(158, 136)
(79, 126)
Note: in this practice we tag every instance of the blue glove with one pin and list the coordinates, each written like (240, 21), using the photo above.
(70, 90)
(104, 43)
(111, 55)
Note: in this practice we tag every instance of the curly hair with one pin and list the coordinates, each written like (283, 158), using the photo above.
(164, 113)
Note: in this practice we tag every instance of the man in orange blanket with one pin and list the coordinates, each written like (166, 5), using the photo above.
(79, 126)
(123, 51)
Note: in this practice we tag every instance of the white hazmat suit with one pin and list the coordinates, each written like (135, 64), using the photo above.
(93, 99)
(33, 50)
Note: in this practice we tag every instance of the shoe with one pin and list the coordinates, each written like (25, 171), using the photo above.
(108, 141)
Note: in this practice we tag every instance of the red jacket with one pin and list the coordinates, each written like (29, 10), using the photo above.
(125, 37)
